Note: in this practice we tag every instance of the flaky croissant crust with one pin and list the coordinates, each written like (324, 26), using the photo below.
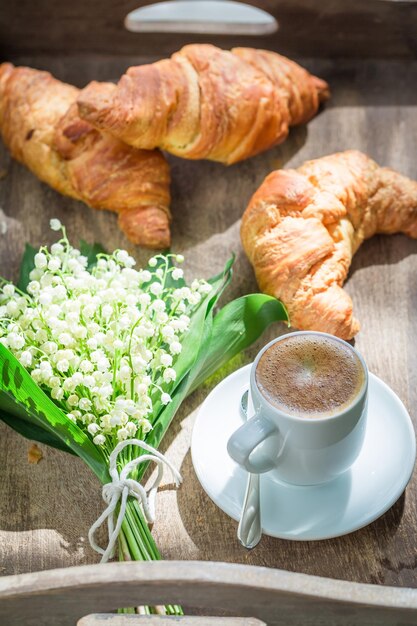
(40, 125)
(207, 103)
(302, 228)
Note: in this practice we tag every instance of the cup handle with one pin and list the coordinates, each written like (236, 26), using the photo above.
(246, 439)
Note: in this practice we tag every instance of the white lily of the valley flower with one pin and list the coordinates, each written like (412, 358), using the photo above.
(102, 343)
(55, 224)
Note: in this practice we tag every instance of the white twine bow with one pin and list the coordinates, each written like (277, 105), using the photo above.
(122, 486)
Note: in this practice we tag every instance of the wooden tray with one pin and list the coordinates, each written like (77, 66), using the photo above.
(46, 509)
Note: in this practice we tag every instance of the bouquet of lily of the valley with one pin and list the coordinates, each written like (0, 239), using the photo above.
(96, 357)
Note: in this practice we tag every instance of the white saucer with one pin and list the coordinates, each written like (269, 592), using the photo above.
(361, 495)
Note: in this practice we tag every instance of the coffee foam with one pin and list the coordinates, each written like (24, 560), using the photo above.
(310, 375)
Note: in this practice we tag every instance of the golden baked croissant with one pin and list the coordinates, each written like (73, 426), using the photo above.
(40, 125)
(206, 103)
(302, 227)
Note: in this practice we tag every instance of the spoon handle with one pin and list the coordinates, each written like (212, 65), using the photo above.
(249, 531)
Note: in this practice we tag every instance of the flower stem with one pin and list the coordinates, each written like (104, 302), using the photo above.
(124, 554)
(137, 544)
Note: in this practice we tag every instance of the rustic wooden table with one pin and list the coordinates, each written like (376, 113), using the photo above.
(46, 509)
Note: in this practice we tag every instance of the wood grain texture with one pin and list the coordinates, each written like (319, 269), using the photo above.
(46, 509)
(106, 619)
(278, 598)
(329, 28)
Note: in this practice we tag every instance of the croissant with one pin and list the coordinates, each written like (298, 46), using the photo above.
(206, 103)
(302, 227)
(40, 125)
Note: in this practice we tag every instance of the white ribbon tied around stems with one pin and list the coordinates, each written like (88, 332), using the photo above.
(122, 487)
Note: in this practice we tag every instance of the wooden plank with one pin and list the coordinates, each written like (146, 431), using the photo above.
(105, 619)
(327, 28)
(59, 597)
(46, 509)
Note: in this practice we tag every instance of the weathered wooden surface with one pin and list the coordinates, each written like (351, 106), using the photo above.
(46, 509)
(105, 619)
(278, 598)
(325, 28)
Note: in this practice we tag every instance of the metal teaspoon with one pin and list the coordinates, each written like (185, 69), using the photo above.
(249, 531)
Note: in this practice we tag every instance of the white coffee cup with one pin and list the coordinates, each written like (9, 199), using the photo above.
(300, 450)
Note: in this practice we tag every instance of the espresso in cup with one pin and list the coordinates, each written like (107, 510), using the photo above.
(310, 375)
(309, 393)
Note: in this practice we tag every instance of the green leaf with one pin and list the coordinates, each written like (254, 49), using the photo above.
(24, 395)
(191, 359)
(155, 436)
(225, 274)
(91, 251)
(16, 417)
(195, 335)
(26, 266)
(33, 432)
(234, 328)
(237, 325)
